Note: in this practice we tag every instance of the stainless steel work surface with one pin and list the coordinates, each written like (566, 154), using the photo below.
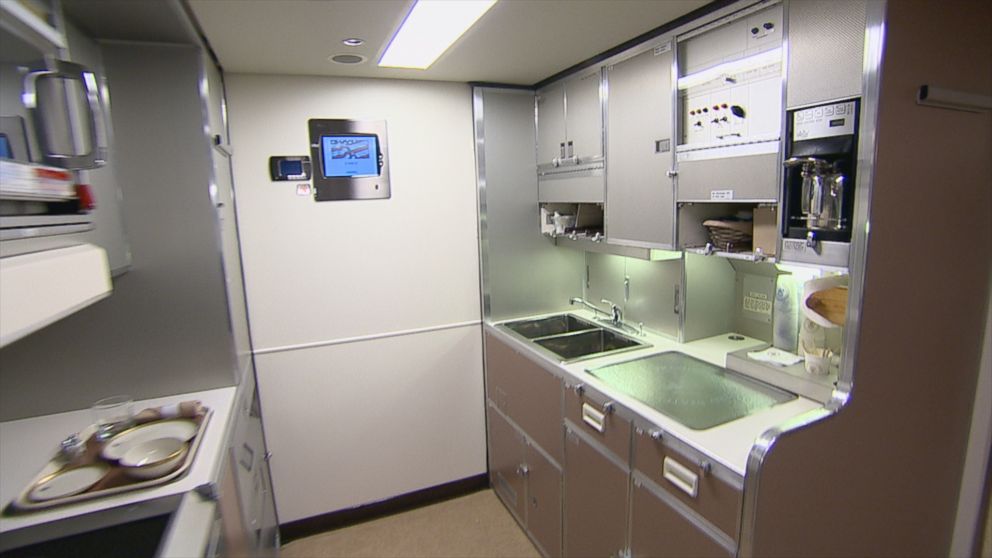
(693, 392)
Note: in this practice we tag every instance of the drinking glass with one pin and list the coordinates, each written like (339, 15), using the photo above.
(112, 415)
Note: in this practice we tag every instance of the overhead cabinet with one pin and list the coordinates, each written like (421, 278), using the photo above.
(730, 108)
(640, 197)
(825, 59)
(570, 140)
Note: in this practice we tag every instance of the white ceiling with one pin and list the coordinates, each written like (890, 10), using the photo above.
(516, 42)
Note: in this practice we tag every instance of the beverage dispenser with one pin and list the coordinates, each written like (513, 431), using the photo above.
(820, 163)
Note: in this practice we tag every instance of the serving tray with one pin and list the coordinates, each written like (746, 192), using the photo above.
(114, 481)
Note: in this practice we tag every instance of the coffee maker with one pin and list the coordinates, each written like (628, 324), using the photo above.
(821, 156)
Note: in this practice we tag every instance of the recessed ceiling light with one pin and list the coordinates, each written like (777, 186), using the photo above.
(353, 42)
(429, 29)
(347, 58)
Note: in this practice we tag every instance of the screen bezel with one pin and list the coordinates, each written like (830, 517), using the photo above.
(336, 188)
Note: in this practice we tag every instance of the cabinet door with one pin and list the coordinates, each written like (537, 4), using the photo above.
(658, 531)
(584, 118)
(525, 392)
(506, 460)
(252, 474)
(550, 124)
(826, 50)
(640, 204)
(543, 501)
(595, 500)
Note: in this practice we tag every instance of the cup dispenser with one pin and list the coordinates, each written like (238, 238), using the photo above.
(820, 163)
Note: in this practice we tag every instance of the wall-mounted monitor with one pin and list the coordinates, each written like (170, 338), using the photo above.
(351, 159)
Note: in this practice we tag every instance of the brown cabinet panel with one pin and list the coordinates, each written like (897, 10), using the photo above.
(543, 501)
(658, 531)
(716, 500)
(526, 392)
(615, 433)
(595, 501)
(506, 460)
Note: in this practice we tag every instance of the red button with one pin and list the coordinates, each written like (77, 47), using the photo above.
(85, 196)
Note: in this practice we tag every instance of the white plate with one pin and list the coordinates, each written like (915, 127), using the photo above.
(180, 429)
(73, 481)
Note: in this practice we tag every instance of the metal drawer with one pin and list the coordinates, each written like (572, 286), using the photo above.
(709, 489)
(596, 415)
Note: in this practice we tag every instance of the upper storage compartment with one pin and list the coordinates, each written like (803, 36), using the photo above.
(570, 139)
(51, 114)
(640, 208)
(730, 107)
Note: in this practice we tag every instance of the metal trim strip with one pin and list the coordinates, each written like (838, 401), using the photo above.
(479, 129)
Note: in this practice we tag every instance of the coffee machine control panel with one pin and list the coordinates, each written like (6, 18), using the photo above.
(823, 121)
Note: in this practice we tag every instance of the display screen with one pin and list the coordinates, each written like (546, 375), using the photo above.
(5, 150)
(350, 155)
(291, 167)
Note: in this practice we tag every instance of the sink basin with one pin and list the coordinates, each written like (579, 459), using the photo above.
(586, 344)
(553, 325)
(695, 393)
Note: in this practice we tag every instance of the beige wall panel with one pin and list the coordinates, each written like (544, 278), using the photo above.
(333, 270)
(352, 424)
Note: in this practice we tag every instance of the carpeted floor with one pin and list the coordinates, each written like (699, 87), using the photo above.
(476, 525)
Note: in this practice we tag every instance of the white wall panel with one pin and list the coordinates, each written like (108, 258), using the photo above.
(336, 270)
(354, 423)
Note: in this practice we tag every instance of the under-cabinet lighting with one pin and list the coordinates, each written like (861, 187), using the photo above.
(727, 69)
(429, 29)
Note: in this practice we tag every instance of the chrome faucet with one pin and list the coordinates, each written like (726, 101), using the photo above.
(617, 313)
(589, 305)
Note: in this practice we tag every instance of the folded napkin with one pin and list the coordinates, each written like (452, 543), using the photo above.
(778, 357)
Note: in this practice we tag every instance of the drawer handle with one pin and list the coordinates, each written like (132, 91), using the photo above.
(679, 475)
(594, 417)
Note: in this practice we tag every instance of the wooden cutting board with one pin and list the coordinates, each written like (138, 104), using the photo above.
(830, 303)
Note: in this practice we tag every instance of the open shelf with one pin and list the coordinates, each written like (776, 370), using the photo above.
(695, 238)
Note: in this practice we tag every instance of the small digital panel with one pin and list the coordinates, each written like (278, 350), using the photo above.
(282, 168)
(350, 155)
(350, 158)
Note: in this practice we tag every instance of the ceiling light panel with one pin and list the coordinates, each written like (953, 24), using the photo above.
(429, 29)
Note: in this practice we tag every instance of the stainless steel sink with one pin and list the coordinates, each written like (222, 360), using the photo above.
(553, 325)
(695, 393)
(587, 344)
(571, 338)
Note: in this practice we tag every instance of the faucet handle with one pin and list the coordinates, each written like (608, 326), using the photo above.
(617, 313)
